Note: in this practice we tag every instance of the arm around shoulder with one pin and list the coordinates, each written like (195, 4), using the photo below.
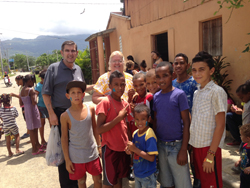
(97, 97)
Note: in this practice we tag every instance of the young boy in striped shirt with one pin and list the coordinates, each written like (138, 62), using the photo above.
(207, 130)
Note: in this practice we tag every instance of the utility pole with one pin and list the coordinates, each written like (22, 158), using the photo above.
(8, 57)
(1, 55)
(27, 61)
(47, 59)
(56, 55)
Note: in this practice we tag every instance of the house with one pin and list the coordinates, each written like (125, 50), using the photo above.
(174, 26)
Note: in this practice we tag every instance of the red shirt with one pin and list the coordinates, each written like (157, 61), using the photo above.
(116, 138)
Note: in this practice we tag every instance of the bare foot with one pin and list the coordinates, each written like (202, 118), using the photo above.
(10, 154)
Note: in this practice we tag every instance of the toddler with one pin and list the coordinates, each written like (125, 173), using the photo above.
(8, 115)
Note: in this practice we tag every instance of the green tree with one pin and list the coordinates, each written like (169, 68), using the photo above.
(84, 61)
(32, 61)
(42, 60)
(20, 61)
(47, 59)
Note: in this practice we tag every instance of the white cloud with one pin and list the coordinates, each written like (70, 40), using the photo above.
(28, 20)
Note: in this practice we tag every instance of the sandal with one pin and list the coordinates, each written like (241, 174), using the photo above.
(19, 153)
(39, 152)
(44, 146)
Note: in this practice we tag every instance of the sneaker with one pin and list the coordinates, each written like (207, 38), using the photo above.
(25, 136)
(131, 176)
(234, 143)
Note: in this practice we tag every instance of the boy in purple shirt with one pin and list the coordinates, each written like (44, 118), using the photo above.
(171, 126)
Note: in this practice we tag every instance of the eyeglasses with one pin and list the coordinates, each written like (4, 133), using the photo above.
(117, 61)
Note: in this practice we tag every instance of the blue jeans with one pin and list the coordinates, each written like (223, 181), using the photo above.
(147, 182)
(170, 172)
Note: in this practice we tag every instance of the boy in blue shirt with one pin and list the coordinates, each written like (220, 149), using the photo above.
(171, 124)
(184, 81)
(144, 147)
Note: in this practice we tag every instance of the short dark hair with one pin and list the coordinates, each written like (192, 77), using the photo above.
(68, 42)
(248, 84)
(136, 66)
(182, 55)
(130, 57)
(115, 74)
(245, 130)
(143, 64)
(244, 89)
(165, 64)
(142, 108)
(139, 75)
(157, 53)
(203, 56)
(42, 73)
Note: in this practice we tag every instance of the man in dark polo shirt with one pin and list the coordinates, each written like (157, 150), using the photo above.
(54, 89)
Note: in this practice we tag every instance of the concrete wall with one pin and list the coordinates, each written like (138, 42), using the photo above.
(184, 34)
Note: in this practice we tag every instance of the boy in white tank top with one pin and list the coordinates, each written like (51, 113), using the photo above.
(78, 127)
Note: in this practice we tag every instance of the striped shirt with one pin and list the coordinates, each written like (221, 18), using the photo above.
(8, 116)
(207, 103)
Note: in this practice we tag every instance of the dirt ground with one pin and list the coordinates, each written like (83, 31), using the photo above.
(32, 171)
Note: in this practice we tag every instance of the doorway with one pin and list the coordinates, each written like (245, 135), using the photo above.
(161, 45)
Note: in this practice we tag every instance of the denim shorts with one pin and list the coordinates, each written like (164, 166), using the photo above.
(170, 172)
(43, 112)
(147, 182)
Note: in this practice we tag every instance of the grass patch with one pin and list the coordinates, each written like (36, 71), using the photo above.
(38, 79)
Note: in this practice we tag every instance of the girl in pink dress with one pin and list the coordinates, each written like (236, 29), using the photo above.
(32, 116)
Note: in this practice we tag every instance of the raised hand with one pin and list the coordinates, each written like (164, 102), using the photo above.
(123, 113)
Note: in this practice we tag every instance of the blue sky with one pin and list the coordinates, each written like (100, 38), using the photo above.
(54, 17)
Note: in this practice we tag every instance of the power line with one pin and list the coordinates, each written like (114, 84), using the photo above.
(71, 3)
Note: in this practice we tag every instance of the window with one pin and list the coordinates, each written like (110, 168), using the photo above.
(212, 36)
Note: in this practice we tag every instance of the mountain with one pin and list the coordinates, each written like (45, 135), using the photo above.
(41, 44)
